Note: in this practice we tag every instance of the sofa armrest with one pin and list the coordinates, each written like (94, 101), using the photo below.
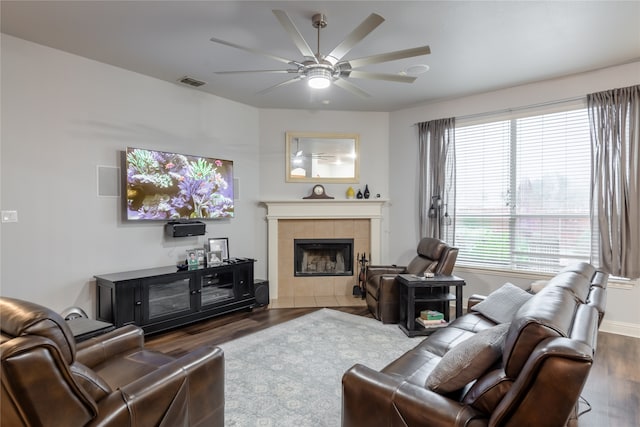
(189, 388)
(371, 398)
(475, 299)
(367, 397)
(98, 349)
(374, 270)
(420, 406)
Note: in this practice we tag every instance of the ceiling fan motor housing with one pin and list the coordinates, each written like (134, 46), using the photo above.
(319, 20)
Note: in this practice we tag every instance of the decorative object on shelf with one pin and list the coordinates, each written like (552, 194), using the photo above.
(201, 255)
(192, 258)
(359, 290)
(359, 195)
(219, 245)
(366, 191)
(214, 258)
(351, 193)
(318, 192)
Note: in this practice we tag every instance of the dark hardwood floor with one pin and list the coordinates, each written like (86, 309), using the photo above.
(612, 390)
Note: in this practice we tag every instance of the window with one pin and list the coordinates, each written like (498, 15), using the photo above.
(523, 192)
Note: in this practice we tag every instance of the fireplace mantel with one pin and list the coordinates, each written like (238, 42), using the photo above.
(320, 209)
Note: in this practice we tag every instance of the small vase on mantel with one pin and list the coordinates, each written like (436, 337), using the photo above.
(350, 193)
(359, 195)
(366, 192)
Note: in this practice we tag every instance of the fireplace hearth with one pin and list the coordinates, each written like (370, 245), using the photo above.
(323, 257)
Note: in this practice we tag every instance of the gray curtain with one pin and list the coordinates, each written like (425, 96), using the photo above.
(436, 188)
(614, 116)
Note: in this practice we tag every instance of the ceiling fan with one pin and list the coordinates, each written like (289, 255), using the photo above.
(320, 71)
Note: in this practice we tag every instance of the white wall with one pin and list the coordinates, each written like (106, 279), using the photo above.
(623, 310)
(62, 116)
(373, 129)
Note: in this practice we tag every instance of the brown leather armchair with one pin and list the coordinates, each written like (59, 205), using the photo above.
(382, 290)
(109, 380)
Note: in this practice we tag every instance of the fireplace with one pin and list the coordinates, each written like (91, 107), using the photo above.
(360, 220)
(323, 257)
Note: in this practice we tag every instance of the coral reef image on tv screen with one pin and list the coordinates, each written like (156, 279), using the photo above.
(170, 186)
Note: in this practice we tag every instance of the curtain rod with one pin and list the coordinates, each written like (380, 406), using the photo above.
(526, 107)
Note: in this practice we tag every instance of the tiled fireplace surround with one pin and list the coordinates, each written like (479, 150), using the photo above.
(318, 219)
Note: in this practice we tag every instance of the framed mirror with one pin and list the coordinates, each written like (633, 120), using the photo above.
(322, 157)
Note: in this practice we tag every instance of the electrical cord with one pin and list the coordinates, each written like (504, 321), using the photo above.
(586, 402)
(581, 413)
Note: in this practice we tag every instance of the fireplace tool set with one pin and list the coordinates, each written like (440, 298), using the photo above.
(359, 290)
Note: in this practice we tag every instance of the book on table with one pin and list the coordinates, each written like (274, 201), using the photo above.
(438, 323)
(431, 315)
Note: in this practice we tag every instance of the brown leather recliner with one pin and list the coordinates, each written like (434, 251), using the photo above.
(383, 295)
(109, 380)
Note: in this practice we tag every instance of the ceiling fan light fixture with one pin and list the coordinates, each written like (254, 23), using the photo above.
(318, 78)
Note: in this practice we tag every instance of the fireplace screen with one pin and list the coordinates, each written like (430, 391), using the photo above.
(323, 257)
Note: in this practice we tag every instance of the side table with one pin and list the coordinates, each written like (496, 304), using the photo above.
(412, 291)
(83, 328)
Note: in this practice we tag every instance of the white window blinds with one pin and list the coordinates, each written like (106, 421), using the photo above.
(523, 191)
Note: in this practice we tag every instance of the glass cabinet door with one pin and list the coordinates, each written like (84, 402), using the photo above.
(165, 297)
(216, 287)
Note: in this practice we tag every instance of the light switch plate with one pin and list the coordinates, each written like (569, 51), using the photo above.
(9, 216)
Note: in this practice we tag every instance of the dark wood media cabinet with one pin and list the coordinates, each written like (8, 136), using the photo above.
(161, 298)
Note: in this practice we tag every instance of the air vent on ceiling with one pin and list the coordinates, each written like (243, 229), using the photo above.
(191, 81)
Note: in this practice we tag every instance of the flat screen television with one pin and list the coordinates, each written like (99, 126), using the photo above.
(170, 186)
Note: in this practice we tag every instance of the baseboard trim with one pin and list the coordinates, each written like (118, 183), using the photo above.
(620, 328)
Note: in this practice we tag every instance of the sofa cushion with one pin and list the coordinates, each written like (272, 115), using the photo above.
(549, 314)
(468, 360)
(444, 339)
(472, 322)
(503, 303)
(573, 281)
(414, 366)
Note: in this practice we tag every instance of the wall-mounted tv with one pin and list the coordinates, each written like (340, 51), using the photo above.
(170, 186)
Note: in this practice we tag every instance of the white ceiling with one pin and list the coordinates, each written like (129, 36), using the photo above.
(476, 46)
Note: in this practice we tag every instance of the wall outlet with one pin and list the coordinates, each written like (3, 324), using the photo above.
(9, 216)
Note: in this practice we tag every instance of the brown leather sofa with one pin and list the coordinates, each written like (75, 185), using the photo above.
(109, 380)
(382, 290)
(548, 350)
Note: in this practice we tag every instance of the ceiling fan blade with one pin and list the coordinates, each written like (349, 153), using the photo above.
(269, 89)
(390, 56)
(251, 50)
(381, 76)
(291, 28)
(258, 71)
(359, 33)
(351, 88)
